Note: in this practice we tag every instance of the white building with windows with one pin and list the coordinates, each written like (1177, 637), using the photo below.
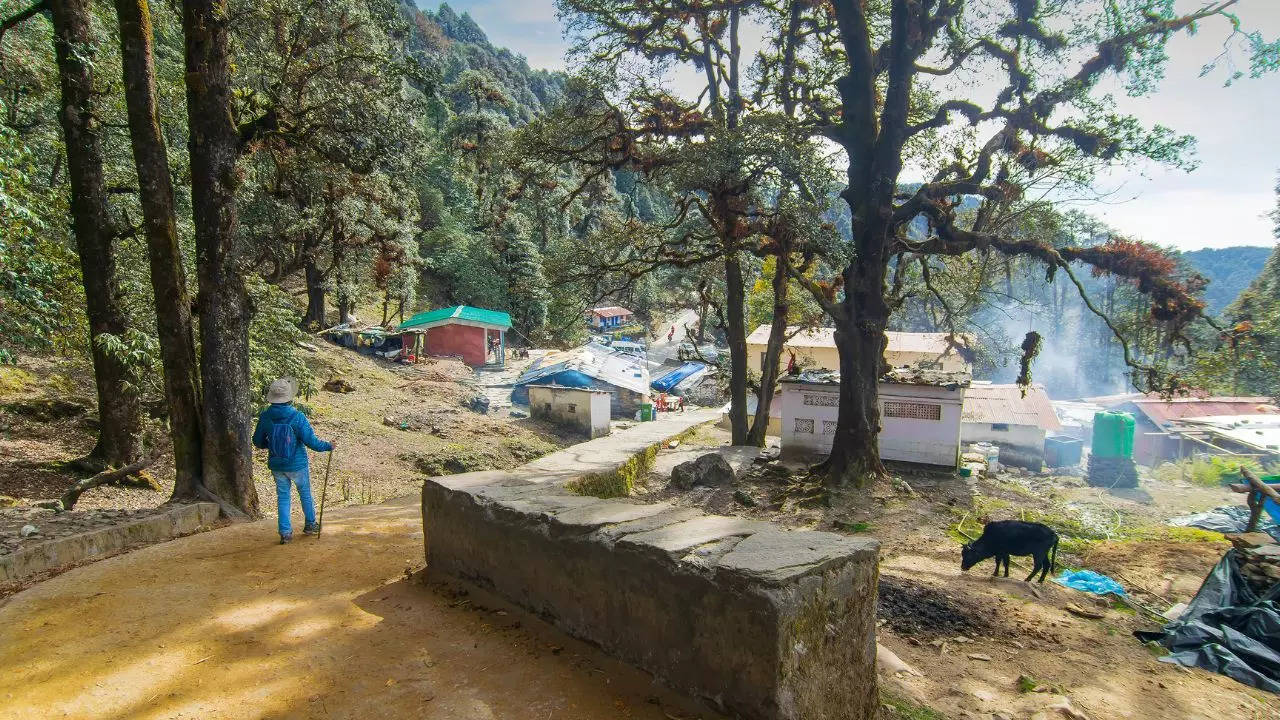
(920, 412)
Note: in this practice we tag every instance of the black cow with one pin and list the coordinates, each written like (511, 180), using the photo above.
(1003, 538)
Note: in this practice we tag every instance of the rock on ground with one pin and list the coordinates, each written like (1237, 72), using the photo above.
(710, 470)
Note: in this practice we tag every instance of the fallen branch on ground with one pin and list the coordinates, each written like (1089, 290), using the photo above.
(69, 498)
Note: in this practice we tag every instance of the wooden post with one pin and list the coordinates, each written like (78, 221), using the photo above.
(1258, 491)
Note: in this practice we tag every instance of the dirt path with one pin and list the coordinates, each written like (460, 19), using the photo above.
(227, 624)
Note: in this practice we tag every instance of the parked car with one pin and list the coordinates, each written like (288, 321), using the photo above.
(687, 351)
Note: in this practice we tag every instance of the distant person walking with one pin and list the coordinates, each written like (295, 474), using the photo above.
(671, 334)
(285, 434)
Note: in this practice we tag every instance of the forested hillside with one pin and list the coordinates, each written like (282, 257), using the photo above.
(1229, 271)
(455, 43)
(188, 191)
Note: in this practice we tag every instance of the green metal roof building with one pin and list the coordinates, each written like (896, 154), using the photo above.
(495, 319)
(475, 334)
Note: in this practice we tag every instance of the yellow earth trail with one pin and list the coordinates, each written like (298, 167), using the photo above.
(228, 624)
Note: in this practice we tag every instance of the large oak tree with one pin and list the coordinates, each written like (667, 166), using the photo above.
(902, 73)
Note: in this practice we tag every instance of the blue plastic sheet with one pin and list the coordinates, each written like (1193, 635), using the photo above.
(1090, 582)
(675, 377)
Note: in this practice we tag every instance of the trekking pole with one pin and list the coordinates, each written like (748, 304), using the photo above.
(324, 490)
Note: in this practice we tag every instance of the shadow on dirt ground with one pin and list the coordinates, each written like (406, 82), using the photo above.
(228, 624)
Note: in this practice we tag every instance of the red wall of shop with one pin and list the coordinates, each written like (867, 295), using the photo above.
(465, 340)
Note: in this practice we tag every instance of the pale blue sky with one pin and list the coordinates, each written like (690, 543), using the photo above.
(1224, 202)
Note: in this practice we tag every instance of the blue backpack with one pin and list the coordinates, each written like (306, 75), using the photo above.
(283, 441)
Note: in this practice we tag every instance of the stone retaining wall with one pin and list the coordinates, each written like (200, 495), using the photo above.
(761, 622)
(56, 553)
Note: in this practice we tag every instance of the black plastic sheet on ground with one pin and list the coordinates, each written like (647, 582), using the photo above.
(1226, 519)
(1228, 629)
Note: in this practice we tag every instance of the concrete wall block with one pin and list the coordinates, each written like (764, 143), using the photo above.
(178, 520)
(761, 622)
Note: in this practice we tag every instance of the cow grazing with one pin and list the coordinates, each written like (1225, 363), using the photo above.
(1003, 538)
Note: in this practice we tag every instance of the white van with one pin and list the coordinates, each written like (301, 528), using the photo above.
(633, 349)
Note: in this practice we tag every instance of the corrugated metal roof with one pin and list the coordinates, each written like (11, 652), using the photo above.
(1110, 401)
(595, 361)
(611, 311)
(1161, 411)
(985, 403)
(935, 343)
(1260, 432)
(442, 316)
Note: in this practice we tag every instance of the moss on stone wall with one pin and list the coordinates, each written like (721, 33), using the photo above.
(621, 481)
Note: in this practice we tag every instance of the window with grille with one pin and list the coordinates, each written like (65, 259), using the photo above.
(822, 399)
(804, 425)
(912, 410)
(828, 427)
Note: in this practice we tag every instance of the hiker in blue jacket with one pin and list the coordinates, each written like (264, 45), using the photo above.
(285, 433)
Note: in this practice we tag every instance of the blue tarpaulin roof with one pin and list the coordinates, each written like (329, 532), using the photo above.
(673, 378)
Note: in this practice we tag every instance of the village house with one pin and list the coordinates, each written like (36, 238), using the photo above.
(1159, 435)
(816, 349)
(476, 335)
(595, 367)
(920, 414)
(1016, 422)
(581, 409)
(607, 318)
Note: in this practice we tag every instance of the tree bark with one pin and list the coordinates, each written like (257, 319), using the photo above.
(223, 302)
(339, 255)
(769, 367)
(703, 309)
(874, 148)
(168, 277)
(736, 333)
(860, 340)
(119, 411)
(314, 318)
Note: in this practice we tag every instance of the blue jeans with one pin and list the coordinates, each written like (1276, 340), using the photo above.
(301, 478)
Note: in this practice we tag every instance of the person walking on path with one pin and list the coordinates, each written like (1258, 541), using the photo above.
(283, 431)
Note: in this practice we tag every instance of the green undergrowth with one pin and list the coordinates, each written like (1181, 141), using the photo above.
(1077, 530)
(1213, 471)
(896, 706)
(856, 526)
(456, 458)
(14, 380)
(622, 481)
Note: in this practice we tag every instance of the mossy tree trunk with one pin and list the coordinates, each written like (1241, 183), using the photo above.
(119, 412)
(223, 300)
(168, 278)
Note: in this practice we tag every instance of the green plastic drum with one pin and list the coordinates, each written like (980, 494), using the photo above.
(646, 412)
(1113, 434)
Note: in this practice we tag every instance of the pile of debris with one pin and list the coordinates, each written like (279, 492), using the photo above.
(1259, 558)
(1112, 472)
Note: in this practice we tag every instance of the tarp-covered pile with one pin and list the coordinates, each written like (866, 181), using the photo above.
(591, 366)
(1227, 519)
(1228, 628)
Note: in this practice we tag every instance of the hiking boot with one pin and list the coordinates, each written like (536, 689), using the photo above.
(284, 539)
(311, 529)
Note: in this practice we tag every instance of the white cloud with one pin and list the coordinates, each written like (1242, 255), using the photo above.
(1192, 219)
